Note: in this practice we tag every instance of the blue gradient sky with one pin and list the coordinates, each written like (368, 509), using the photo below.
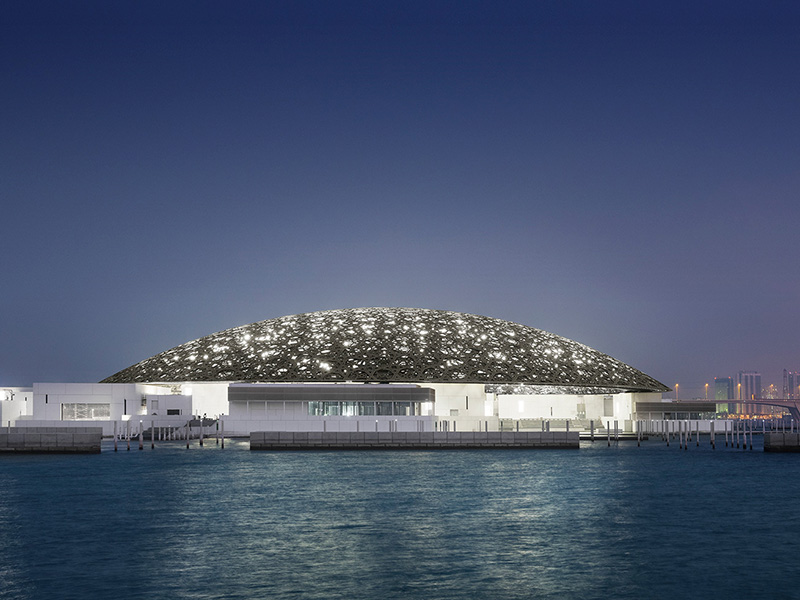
(621, 173)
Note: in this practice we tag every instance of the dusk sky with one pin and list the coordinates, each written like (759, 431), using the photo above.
(624, 174)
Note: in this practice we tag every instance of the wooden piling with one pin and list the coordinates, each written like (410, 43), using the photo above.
(115, 436)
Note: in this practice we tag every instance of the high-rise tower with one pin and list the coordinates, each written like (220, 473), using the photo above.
(749, 388)
(723, 390)
(791, 382)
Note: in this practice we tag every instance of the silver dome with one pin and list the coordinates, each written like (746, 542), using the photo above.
(389, 345)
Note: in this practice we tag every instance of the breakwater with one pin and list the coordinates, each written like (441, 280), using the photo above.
(339, 440)
(51, 439)
(778, 441)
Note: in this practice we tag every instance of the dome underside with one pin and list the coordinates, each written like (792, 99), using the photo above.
(388, 345)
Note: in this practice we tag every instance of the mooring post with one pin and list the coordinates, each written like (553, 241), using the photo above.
(222, 431)
(616, 430)
(141, 435)
(128, 432)
(608, 431)
(115, 436)
(152, 434)
(591, 429)
(188, 433)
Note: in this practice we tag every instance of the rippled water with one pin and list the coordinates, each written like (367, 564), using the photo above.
(622, 522)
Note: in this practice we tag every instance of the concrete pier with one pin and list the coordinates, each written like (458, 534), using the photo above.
(338, 440)
(777, 441)
(51, 439)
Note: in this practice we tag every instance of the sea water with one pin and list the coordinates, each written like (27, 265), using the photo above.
(599, 522)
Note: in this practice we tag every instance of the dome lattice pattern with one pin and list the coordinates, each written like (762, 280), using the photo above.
(389, 345)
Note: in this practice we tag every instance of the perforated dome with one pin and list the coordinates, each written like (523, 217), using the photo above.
(389, 345)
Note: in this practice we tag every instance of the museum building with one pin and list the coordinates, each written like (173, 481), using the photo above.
(363, 369)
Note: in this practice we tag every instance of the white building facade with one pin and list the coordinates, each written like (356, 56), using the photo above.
(371, 369)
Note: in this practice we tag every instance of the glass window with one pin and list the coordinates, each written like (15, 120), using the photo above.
(366, 408)
(384, 408)
(402, 409)
(349, 409)
(78, 411)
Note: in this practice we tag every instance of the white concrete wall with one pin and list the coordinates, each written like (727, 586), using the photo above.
(208, 398)
(565, 406)
(257, 415)
(48, 398)
(243, 426)
(469, 400)
(15, 402)
(159, 404)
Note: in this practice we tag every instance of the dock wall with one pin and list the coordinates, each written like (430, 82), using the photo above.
(338, 440)
(776, 441)
(51, 439)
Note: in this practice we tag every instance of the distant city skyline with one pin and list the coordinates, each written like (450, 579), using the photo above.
(723, 387)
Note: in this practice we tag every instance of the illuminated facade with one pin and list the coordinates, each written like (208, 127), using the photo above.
(376, 368)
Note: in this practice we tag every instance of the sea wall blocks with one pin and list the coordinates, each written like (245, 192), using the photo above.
(51, 439)
(777, 441)
(342, 440)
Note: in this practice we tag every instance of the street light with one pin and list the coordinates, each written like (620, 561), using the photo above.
(676, 392)
(706, 391)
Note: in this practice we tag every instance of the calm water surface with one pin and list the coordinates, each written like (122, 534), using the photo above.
(621, 522)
